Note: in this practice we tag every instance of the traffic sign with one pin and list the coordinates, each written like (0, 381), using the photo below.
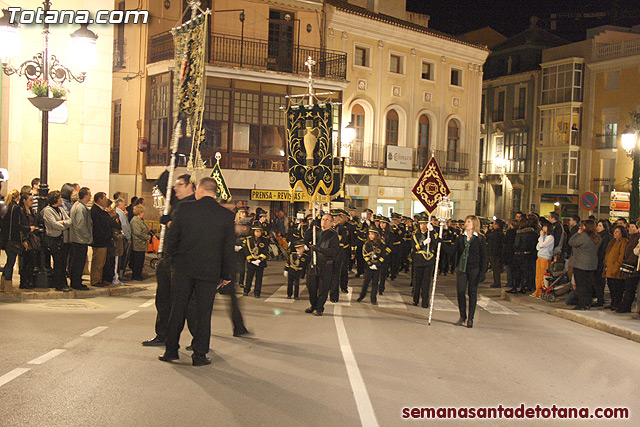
(619, 214)
(588, 201)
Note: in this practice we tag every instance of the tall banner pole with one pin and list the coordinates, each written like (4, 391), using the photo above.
(443, 216)
(167, 198)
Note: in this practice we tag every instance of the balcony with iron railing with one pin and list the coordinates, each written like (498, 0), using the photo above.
(605, 142)
(242, 52)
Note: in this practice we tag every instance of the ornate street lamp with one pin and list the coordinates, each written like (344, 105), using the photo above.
(45, 66)
(629, 141)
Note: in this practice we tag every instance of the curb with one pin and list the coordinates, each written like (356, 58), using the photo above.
(590, 322)
(30, 295)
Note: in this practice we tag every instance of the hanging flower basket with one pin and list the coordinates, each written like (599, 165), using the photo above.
(44, 103)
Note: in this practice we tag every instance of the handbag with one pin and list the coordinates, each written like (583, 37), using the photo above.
(628, 268)
(54, 244)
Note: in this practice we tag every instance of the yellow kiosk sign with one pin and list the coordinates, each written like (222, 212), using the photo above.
(284, 196)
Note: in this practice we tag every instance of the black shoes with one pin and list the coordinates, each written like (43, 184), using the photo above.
(333, 300)
(318, 313)
(168, 357)
(415, 304)
(512, 291)
(288, 296)
(64, 288)
(241, 333)
(374, 302)
(80, 288)
(359, 299)
(310, 310)
(156, 342)
(201, 361)
(470, 323)
(460, 321)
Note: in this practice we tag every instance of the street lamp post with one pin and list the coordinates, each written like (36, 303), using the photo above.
(630, 145)
(44, 66)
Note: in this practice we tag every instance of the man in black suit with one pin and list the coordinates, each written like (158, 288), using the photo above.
(326, 248)
(201, 245)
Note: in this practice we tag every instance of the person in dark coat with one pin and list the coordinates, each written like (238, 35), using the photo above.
(321, 268)
(256, 250)
(524, 260)
(200, 242)
(373, 252)
(603, 228)
(507, 251)
(184, 191)
(584, 260)
(425, 244)
(473, 262)
(102, 237)
(631, 260)
(495, 240)
(295, 268)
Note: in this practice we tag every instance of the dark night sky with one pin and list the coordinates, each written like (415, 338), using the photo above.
(512, 17)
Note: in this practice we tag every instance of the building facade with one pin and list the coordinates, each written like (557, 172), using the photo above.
(408, 90)
(79, 129)
(509, 121)
(412, 92)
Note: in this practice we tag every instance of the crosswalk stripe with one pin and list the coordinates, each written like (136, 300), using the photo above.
(391, 299)
(494, 307)
(280, 296)
(442, 303)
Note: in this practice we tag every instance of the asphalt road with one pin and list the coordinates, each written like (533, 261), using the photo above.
(357, 365)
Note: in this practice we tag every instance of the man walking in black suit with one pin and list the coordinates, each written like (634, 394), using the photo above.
(201, 245)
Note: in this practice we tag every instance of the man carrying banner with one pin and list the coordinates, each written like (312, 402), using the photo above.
(425, 243)
(326, 250)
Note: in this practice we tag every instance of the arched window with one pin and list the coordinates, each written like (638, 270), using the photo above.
(422, 155)
(357, 146)
(393, 122)
(453, 138)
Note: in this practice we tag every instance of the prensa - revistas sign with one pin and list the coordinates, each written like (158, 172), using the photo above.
(399, 158)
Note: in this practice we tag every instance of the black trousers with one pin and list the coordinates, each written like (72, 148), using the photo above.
(404, 256)
(384, 272)
(395, 262)
(630, 286)
(360, 263)
(319, 284)
(496, 268)
(123, 260)
(241, 264)
(109, 270)
(27, 267)
(234, 310)
(448, 257)
(59, 266)
(524, 273)
(163, 296)
(468, 283)
(204, 292)
(585, 286)
(616, 291)
(373, 277)
(293, 283)
(600, 284)
(344, 271)
(422, 279)
(336, 276)
(252, 271)
(78, 260)
(136, 264)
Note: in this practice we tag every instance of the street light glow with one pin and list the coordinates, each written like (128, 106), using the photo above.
(349, 133)
(628, 140)
(83, 48)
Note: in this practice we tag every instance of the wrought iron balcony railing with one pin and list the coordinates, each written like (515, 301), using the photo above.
(232, 51)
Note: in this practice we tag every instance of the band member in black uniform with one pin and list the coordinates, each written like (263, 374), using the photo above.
(472, 267)
(341, 271)
(405, 246)
(326, 249)
(243, 230)
(264, 223)
(352, 226)
(449, 236)
(388, 238)
(373, 252)
(256, 249)
(398, 229)
(295, 268)
(425, 244)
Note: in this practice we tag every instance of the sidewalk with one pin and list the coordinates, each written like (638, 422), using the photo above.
(148, 286)
(608, 321)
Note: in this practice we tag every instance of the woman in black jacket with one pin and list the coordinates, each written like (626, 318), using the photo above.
(524, 258)
(507, 251)
(472, 267)
(11, 239)
(604, 231)
(27, 227)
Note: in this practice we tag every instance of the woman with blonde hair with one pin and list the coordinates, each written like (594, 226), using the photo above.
(473, 261)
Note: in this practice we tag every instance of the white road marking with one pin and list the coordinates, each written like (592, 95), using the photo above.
(442, 303)
(148, 303)
(94, 331)
(391, 299)
(494, 307)
(280, 296)
(127, 314)
(12, 375)
(46, 357)
(363, 402)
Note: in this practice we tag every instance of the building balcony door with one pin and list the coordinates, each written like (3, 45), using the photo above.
(280, 50)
